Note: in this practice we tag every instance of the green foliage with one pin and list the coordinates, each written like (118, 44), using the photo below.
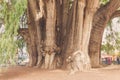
(112, 40)
(108, 48)
(109, 44)
(10, 13)
(117, 46)
(104, 1)
(20, 42)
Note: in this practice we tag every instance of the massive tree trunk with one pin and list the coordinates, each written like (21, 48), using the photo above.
(60, 32)
(101, 18)
(78, 32)
(50, 41)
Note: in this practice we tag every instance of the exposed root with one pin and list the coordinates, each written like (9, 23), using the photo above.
(47, 57)
(78, 62)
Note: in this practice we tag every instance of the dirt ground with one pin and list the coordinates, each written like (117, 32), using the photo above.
(24, 73)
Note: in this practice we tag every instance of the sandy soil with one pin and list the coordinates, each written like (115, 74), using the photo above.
(23, 73)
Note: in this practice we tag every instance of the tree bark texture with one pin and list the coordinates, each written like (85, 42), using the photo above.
(101, 18)
(62, 33)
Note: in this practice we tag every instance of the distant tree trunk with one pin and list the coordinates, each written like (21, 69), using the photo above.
(59, 30)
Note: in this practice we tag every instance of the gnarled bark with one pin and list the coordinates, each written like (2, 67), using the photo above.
(50, 41)
(79, 31)
(58, 32)
(101, 18)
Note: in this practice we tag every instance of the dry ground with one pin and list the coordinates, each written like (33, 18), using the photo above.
(23, 73)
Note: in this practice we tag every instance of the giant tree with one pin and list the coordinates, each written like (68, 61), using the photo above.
(58, 28)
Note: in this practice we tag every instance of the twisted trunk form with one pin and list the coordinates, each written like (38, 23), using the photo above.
(62, 33)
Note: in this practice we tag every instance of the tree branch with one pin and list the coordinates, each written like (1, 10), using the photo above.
(115, 14)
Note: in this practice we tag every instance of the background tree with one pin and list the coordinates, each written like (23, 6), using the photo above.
(111, 38)
(109, 45)
(10, 13)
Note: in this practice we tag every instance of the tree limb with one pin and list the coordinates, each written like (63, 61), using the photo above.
(115, 14)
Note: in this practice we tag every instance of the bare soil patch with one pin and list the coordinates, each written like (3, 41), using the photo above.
(24, 73)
